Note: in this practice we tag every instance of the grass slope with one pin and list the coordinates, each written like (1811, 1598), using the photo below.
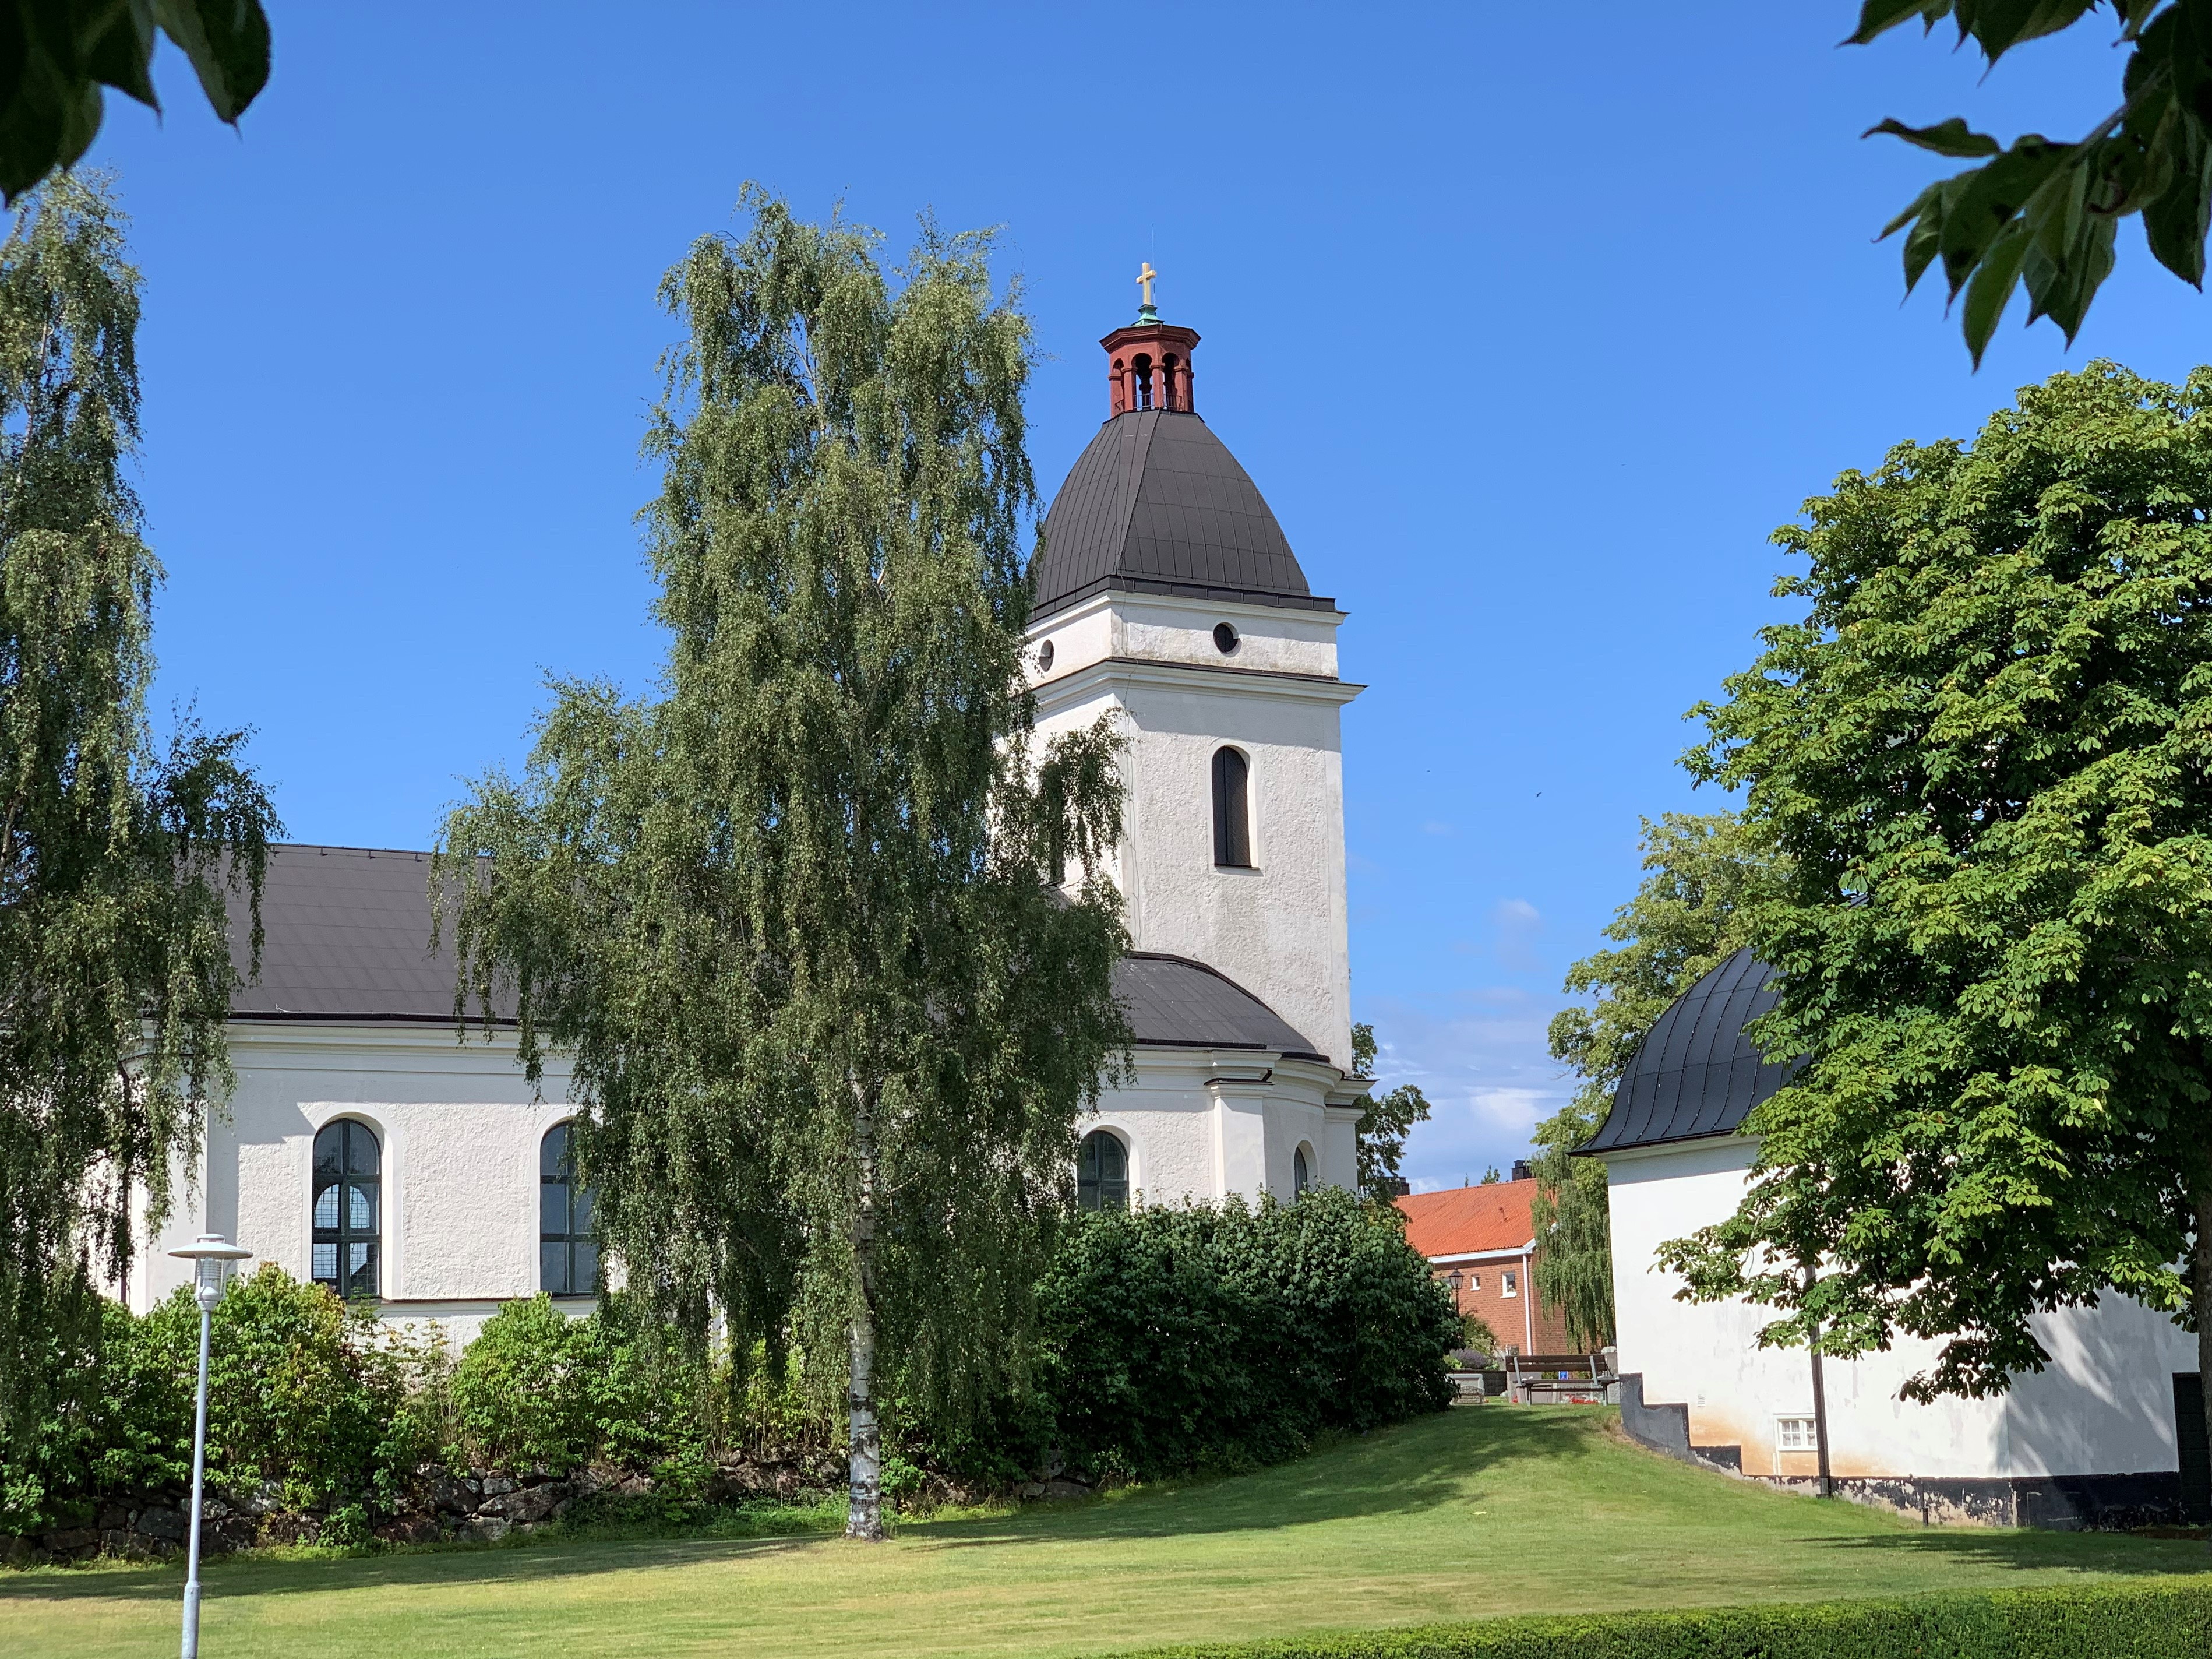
(1473, 1513)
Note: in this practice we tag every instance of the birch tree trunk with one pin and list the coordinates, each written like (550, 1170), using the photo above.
(2200, 1276)
(864, 1515)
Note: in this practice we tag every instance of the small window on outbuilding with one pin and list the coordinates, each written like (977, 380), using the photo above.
(1232, 809)
(1512, 1286)
(1301, 1175)
(1795, 1434)
(1102, 1172)
(567, 1251)
(348, 1209)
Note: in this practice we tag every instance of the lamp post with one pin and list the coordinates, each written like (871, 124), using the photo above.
(212, 1258)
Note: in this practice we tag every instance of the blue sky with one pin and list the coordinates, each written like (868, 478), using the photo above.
(1530, 322)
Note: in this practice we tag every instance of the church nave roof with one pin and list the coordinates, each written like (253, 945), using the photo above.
(346, 932)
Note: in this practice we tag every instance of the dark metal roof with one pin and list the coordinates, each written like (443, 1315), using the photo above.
(1156, 503)
(346, 933)
(1696, 1073)
(1175, 1002)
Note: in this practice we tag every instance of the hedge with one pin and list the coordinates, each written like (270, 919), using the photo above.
(1169, 1339)
(1183, 1337)
(2161, 1619)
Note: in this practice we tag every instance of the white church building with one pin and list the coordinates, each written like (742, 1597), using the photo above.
(2111, 1434)
(368, 1148)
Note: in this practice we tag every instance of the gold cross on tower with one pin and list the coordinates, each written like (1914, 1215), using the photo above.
(1145, 279)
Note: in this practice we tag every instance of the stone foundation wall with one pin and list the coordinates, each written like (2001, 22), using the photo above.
(480, 1505)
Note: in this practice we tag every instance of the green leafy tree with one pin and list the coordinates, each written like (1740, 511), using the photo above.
(115, 965)
(1986, 754)
(1703, 875)
(2046, 212)
(798, 921)
(56, 55)
(1385, 1120)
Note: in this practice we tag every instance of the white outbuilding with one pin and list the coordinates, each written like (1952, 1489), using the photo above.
(2111, 1434)
(369, 1147)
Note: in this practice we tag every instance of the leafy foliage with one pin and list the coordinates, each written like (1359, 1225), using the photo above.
(2044, 211)
(303, 1392)
(799, 919)
(1704, 873)
(115, 964)
(539, 1390)
(1385, 1120)
(124, 1425)
(1986, 755)
(56, 55)
(1180, 1339)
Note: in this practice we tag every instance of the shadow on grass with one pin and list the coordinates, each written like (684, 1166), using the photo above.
(2027, 1551)
(506, 1564)
(1468, 1456)
(1401, 1471)
(1416, 1466)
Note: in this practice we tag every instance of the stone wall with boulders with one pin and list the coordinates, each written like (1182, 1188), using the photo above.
(478, 1505)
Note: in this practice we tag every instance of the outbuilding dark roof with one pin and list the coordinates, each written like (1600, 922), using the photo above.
(1696, 1073)
(1156, 503)
(346, 930)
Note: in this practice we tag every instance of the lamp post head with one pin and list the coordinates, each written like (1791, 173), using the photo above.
(212, 1257)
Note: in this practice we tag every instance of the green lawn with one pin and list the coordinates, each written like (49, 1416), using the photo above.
(1476, 1512)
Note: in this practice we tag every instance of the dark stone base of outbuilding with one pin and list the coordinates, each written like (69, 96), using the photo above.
(2070, 1502)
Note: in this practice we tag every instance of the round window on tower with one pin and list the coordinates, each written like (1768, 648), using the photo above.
(1224, 638)
(1044, 657)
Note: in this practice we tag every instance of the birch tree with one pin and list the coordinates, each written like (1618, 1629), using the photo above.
(115, 853)
(798, 920)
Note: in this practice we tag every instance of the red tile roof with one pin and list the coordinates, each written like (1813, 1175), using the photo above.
(1463, 1220)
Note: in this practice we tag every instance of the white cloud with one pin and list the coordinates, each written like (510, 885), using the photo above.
(1518, 923)
(1480, 1055)
(1518, 1109)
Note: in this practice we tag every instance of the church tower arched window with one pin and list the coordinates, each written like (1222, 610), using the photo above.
(1232, 809)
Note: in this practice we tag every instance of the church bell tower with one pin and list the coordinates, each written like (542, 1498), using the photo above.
(1167, 592)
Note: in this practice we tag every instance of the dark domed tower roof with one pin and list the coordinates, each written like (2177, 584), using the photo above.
(1157, 504)
(1696, 1073)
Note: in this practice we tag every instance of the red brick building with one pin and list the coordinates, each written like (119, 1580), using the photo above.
(1483, 1234)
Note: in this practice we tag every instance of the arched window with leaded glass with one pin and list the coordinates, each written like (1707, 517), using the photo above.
(568, 1254)
(347, 1213)
(1102, 1172)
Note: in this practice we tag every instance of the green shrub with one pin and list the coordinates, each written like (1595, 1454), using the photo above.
(123, 1427)
(2158, 1620)
(523, 1389)
(1180, 1339)
(539, 1390)
(304, 1391)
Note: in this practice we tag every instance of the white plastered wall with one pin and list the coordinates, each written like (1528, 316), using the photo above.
(1201, 1125)
(459, 1134)
(1279, 930)
(2104, 1406)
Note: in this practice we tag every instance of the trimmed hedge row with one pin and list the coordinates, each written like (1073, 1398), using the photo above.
(2163, 1619)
